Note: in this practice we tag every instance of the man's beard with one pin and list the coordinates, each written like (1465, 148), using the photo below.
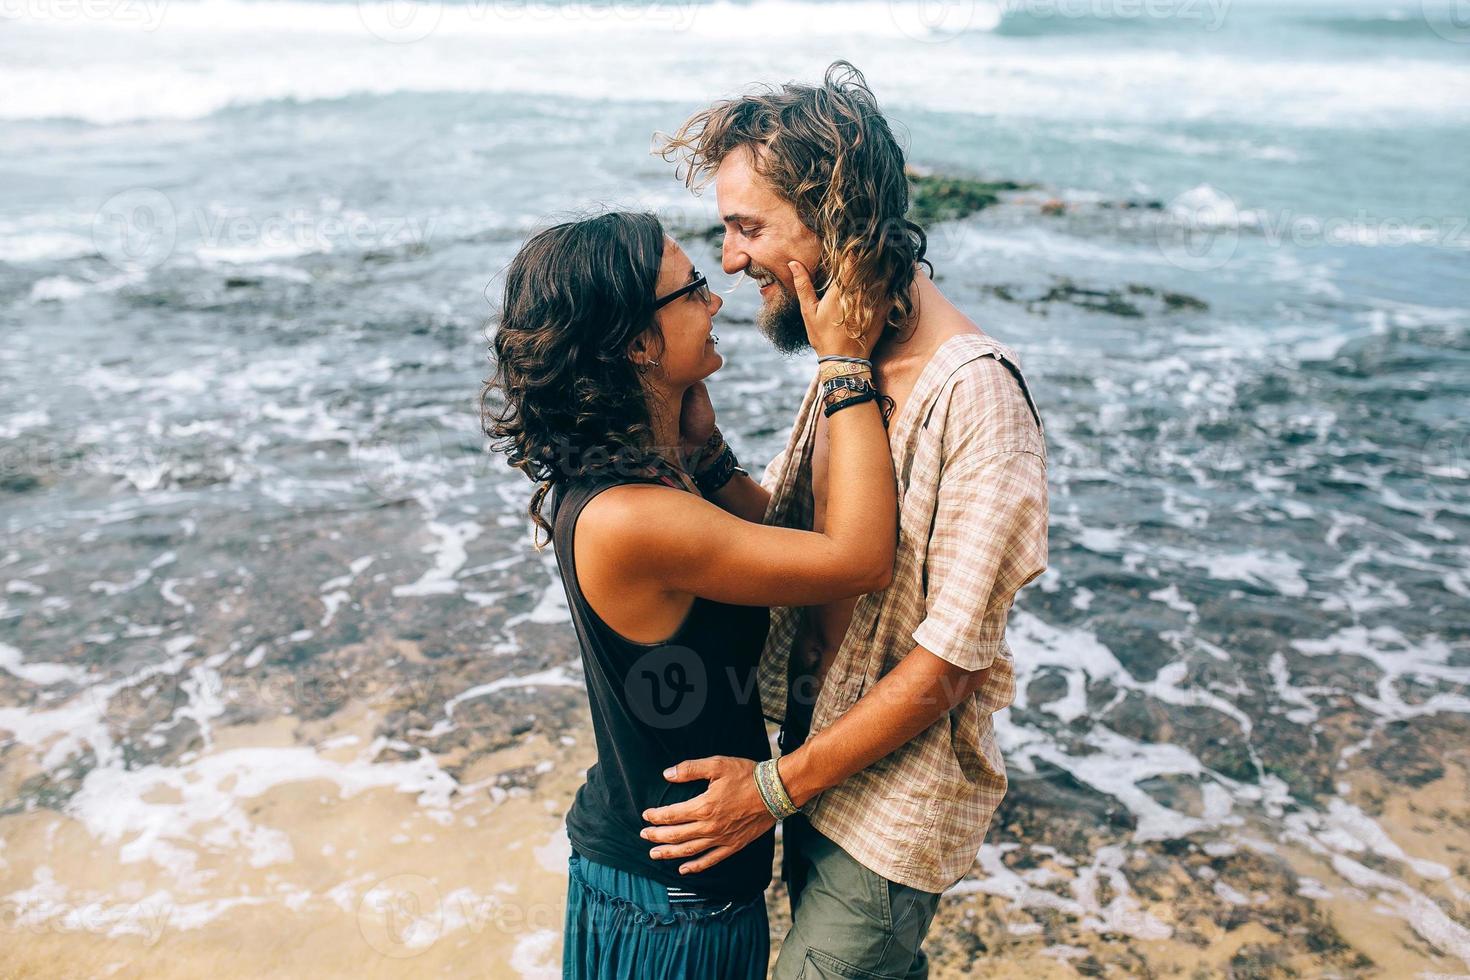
(780, 319)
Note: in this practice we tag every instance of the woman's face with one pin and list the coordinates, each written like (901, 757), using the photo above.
(687, 323)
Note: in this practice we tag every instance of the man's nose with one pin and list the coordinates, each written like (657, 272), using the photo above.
(716, 301)
(732, 259)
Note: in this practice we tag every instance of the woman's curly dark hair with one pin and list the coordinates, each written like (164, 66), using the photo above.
(570, 401)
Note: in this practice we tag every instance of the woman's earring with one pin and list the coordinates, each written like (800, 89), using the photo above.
(653, 363)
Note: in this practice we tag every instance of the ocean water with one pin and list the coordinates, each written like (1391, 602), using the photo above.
(248, 258)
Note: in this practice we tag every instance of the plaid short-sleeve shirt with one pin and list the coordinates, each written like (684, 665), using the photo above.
(969, 453)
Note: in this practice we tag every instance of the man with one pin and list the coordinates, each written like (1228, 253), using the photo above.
(886, 700)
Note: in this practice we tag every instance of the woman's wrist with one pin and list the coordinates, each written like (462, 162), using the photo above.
(703, 458)
(712, 479)
(846, 348)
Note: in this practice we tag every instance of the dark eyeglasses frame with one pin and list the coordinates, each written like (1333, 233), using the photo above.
(700, 283)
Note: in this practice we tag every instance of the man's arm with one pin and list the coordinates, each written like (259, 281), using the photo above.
(919, 691)
(992, 514)
(730, 814)
(989, 541)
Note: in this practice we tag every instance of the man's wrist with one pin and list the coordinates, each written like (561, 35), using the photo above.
(796, 775)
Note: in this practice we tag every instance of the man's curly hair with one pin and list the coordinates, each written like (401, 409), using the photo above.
(828, 151)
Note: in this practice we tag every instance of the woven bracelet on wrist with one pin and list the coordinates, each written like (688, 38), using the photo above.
(832, 385)
(829, 371)
(835, 407)
(711, 480)
(706, 455)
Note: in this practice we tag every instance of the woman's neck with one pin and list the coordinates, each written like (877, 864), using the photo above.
(664, 408)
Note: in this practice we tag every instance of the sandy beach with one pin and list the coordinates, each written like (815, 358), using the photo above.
(320, 872)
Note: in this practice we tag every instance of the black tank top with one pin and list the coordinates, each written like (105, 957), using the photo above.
(655, 704)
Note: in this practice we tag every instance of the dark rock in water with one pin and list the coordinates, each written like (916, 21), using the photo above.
(1258, 960)
(1299, 759)
(934, 198)
(1135, 640)
(18, 482)
(1226, 752)
(1138, 718)
(1402, 755)
(241, 282)
(1149, 205)
(1052, 805)
(381, 256)
(1101, 300)
(392, 754)
(1180, 793)
(1183, 301)
(1049, 685)
(1115, 302)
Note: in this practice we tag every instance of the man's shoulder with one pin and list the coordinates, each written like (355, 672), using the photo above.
(984, 397)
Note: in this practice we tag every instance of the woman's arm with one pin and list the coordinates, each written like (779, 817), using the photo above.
(743, 497)
(685, 544)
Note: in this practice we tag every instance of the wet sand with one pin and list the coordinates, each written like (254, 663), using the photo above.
(306, 878)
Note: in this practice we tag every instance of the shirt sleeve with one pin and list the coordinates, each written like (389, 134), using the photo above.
(989, 536)
(772, 474)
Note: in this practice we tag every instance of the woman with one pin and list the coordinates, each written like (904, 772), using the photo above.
(604, 341)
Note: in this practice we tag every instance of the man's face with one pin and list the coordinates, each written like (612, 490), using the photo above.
(762, 234)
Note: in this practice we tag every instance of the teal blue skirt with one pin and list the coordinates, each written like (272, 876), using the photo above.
(621, 925)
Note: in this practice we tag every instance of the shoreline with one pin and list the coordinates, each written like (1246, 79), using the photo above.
(375, 883)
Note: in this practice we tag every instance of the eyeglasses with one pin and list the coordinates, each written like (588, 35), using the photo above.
(699, 284)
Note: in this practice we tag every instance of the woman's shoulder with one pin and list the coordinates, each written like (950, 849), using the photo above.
(622, 509)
